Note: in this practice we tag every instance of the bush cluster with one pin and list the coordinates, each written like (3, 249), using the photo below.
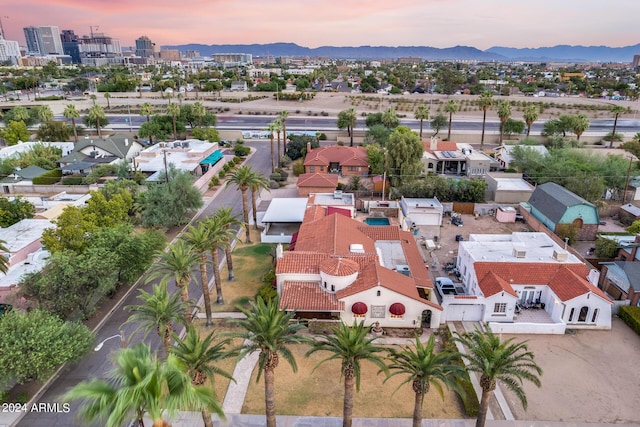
(631, 316)
(48, 178)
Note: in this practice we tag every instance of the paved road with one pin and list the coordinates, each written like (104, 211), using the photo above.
(96, 364)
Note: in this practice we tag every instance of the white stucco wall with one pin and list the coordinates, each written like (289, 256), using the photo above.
(593, 302)
(507, 316)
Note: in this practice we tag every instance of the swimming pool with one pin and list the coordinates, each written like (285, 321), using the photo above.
(377, 221)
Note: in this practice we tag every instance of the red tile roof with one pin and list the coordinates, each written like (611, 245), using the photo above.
(332, 234)
(308, 296)
(351, 156)
(339, 266)
(318, 180)
(300, 262)
(442, 146)
(566, 280)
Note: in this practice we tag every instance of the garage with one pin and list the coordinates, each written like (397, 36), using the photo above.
(425, 218)
(422, 211)
(464, 312)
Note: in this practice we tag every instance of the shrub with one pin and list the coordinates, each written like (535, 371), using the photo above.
(273, 185)
(322, 136)
(214, 181)
(22, 398)
(237, 159)
(221, 174)
(267, 292)
(468, 396)
(631, 316)
(48, 178)
(276, 177)
(283, 173)
(241, 150)
(73, 180)
(298, 167)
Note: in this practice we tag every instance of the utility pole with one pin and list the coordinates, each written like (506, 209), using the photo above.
(626, 184)
(166, 170)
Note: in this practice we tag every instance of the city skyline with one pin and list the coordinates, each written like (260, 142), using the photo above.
(314, 23)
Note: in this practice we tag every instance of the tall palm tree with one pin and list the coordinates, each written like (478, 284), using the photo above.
(93, 98)
(44, 113)
(389, 118)
(174, 111)
(423, 368)
(176, 264)
(219, 237)
(96, 115)
(504, 112)
(484, 102)
(269, 330)
(277, 127)
(242, 178)
(495, 360)
(351, 346)
(422, 114)
(107, 96)
(272, 129)
(230, 221)
(4, 261)
(351, 117)
(616, 110)
(283, 119)
(147, 111)
(451, 107)
(140, 383)
(198, 240)
(199, 357)
(199, 111)
(579, 124)
(70, 112)
(158, 311)
(196, 87)
(257, 184)
(530, 116)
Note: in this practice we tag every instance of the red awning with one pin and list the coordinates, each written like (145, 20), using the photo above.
(341, 211)
(397, 309)
(359, 308)
(294, 239)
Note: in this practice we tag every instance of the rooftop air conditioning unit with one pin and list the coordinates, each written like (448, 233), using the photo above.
(337, 194)
(560, 255)
(519, 253)
(403, 269)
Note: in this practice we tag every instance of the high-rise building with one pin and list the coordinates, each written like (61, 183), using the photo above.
(99, 49)
(71, 45)
(32, 35)
(636, 61)
(144, 47)
(51, 41)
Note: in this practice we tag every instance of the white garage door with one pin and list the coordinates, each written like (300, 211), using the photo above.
(464, 312)
(425, 218)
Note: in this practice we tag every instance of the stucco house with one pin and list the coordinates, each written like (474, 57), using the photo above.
(504, 153)
(556, 207)
(507, 187)
(316, 183)
(621, 281)
(525, 283)
(422, 211)
(344, 269)
(337, 159)
(451, 158)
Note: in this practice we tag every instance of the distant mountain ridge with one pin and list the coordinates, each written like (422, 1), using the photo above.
(496, 53)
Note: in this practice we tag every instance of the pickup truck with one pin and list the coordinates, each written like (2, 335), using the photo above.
(446, 286)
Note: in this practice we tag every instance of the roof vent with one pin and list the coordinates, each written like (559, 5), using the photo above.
(519, 253)
(337, 194)
(356, 248)
(560, 255)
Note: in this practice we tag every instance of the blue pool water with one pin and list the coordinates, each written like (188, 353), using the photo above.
(377, 221)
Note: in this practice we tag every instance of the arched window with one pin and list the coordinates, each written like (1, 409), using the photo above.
(595, 316)
(582, 317)
(378, 293)
(571, 313)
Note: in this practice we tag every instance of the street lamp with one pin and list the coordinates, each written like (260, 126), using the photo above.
(123, 340)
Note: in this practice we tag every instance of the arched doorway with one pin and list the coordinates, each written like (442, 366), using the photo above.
(426, 319)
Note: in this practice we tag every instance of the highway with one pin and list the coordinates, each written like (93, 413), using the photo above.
(96, 364)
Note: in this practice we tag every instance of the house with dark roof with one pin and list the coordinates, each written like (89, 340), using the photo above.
(337, 159)
(558, 208)
(621, 281)
(525, 283)
(343, 269)
(89, 152)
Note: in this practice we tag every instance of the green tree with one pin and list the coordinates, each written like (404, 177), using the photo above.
(176, 263)
(220, 236)
(377, 134)
(438, 122)
(606, 248)
(423, 367)
(141, 383)
(504, 112)
(242, 178)
(71, 113)
(158, 311)
(390, 119)
(508, 362)
(147, 111)
(484, 102)
(376, 158)
(347, 119)
(269, 330)
(15, 132)
(282, 115)
(530, 116)
(14, 211)
(34, 343)
(634, 228)
(580, 124)
(448, 80)
(174, 111)
(96, 116)
(451, 107)
(512, 126)
(44, 156)
(226, 218)
(405, 154)
(297, 147)
(70, 232)
(198, 240)
(199, 357)
(53, 131)
(44, 113)
(616, 110)
(422, 114)
(351, 346)
(107, 96)
(199, 111)
(19, 114)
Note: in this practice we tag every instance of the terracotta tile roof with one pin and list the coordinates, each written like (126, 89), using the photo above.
(339, 266)
(442, 146)
(332, 234)
(566, 280)
(336, 154)
(300, 262)
(308, 296)
(385, 232)
(318, 180)
(313, 213)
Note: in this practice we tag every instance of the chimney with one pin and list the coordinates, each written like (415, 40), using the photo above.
(433, 144)
(279, 251)
(308, 147)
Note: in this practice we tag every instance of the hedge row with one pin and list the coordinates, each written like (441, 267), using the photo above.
(48, 178)
(469, 397)
(631, 316)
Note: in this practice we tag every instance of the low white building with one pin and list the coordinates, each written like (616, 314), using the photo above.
(422, 211)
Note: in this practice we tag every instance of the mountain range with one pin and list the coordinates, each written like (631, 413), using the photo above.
(563, 53)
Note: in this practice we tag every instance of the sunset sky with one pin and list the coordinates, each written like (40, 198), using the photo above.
(313, 23)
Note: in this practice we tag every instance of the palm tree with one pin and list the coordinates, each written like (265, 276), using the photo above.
(158, 311)
(504, 112)
(96, 115)
(616, 110)
(351, 117)
(44, 113)
(272, 129)
(277, 127)
(176, 264)
(198, 239)
(93, 98)
(147, 111)
(258, 183)
(283, 119)
(485, 102)
(451, 107)
(196, 87)
(70, 112)
(199, 356)
(242, 178)
(174, 111)
(422, 114)
(530, 116)
(107, 96)
(140, 383)
(269, 330)
(199, 111)
(389, 118)
(506, 361)
(20, 114)
(225, 217)
(423, 368)
(219, 237)
(351, 346)
(4, 261)
(580, 123)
